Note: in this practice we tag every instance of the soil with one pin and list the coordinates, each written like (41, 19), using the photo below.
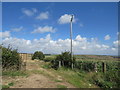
(36, 80)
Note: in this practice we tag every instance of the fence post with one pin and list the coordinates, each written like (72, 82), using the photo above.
(95, 67)
(104, 67)
(81, 66)
(59, 64)
(23, 66)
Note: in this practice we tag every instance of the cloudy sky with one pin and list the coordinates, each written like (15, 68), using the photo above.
(45, 27)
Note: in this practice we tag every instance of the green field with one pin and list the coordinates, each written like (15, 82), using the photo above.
(82, 76)
(91, 57)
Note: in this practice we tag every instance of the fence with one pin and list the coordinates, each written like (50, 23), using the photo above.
(97, 66)
(25, 56)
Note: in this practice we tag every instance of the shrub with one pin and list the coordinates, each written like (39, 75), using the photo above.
(65, 59)
(114, 77)
(38, 55)
(10, 59)
(109, 79)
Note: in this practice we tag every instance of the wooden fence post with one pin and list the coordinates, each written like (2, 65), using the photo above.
(59, 64)
(95, 67)
(81, 66)
(104, 67)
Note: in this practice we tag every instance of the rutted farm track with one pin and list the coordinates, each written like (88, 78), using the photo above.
(38, 77)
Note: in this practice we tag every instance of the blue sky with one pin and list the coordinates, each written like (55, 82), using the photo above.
(92, 20)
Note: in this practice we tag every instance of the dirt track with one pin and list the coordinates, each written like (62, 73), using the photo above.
(36, 80)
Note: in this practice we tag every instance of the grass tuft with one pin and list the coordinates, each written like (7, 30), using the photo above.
(58, 80)
(11, 84)
(5, 86)
(14, 73)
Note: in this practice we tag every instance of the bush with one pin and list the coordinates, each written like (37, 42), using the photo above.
(114, 77)
(38, 55)
(65, 59)
(10, 59)
(110, 79)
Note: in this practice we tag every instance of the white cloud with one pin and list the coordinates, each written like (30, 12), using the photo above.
(113, 49)
(98, 46)
(64, 19)
(5, 34)
(43, 15)
(17, 29)
(29, 12)
(107, 37)
(116, 43)
(104, 47)
(79, 38)
(44, 29)
(47, 45)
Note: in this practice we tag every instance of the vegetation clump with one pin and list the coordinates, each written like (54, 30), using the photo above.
(10, 59)
(38, 55)
(110, 79)
(64, 60)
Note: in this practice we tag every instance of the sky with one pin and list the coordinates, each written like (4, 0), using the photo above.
(38, 26)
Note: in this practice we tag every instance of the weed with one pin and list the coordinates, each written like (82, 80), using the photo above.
(5, 86)
(11, 84)
(46, 66)
(58, 80)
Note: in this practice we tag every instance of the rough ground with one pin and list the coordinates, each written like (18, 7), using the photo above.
(38, 78)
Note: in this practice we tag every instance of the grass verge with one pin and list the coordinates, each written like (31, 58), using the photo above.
(61, 86)
(8, 85)
(14, 73)
(77, 79)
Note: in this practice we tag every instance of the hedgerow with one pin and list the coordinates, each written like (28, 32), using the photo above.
(10, 58)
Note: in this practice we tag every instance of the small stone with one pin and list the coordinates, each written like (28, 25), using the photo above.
(89, 84)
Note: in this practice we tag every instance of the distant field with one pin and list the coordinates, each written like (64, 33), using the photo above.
(46, 56)
(92, 57)
(97, 57)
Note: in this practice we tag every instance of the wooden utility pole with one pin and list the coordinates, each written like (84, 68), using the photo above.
(71, 38)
